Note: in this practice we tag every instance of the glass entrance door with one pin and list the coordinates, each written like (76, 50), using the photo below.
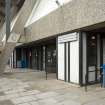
(93, 58)
(51, 59)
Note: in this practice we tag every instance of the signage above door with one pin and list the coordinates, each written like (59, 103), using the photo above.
(68, 37)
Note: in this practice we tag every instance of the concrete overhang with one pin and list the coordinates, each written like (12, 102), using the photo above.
(76, 15)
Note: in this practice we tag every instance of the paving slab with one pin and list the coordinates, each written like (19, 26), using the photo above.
(29, 89)
(2, 93)
(6, 102)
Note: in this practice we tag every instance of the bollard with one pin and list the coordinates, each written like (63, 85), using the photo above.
(104, 75)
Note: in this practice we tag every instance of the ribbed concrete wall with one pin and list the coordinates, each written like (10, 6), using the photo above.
(74, 15)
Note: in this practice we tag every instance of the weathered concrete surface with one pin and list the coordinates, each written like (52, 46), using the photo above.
(5, 55)
(22, 17)
(17, 28)
(31, 88)
(74, 15)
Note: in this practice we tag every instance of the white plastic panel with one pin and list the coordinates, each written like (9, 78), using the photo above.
(74, 62)
(61, 61)
(91, 74)
(66, 61)
(68, 37)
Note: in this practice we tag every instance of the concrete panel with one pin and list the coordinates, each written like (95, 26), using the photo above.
(22, 17)
(74, 15)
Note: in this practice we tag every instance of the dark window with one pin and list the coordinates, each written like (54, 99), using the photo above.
(92, 50)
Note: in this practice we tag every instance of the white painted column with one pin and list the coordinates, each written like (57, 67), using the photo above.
(84, 56)
(74, 62)
(61, 61)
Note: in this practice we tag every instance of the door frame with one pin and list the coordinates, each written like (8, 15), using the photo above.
(101, 59)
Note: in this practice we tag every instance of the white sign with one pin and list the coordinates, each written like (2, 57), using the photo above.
(68, 37)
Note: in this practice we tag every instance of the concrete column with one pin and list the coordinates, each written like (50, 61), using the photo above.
(84, 52)
(14, 59)
(103, 50)
(8, 17)
(44, 48)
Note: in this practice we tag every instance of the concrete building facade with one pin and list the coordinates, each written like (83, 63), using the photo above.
(66, 38)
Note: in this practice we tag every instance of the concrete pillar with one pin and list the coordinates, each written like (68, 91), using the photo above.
(84, 55)
(8, 17)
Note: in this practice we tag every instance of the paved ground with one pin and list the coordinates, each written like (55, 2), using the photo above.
(31, 88)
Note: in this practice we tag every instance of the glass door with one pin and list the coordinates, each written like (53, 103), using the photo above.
(93, 58)
(51, 58)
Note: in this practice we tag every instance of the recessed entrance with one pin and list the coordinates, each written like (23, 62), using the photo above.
(51, 58)
(37, 56)
(95, 56)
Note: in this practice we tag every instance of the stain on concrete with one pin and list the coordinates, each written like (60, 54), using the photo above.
(6, 102)
(2, 94)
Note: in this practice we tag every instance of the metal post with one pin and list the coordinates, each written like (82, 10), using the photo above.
(46, 74)
(86, 83)
(45, 51)
(104, 75)
(8, 17)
